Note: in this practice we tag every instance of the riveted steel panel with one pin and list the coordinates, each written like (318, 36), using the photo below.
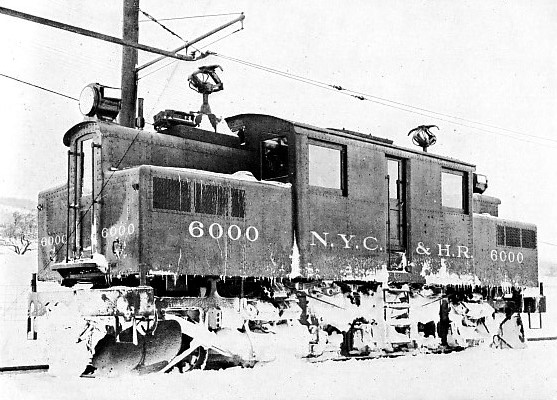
(366, 174)
(52, 235)
(342, 233)
(500, 262)
(188, 148)
(217, 235)
(120, 227)
(425, 188)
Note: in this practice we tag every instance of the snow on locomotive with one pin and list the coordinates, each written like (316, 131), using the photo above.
(187, 248)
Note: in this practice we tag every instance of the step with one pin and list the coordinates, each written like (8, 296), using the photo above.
(400, 322)
(398, 306)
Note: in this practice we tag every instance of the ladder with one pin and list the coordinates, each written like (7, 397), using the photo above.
(396, 313)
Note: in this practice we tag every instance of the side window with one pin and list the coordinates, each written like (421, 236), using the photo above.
(394, 173)
(86, 167)
(327, 166)
(274, 163)
(454, 190)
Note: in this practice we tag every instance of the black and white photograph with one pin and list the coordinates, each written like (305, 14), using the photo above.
(241, 199)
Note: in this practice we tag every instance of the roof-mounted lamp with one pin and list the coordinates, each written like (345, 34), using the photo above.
(93, 102)
(480, 183)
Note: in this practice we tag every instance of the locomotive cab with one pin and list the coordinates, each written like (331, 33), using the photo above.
(108, 164)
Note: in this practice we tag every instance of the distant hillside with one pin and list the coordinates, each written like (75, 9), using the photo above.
(9, 205)
(25, 204)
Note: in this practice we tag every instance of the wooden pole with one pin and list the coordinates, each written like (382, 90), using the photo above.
(130, 33)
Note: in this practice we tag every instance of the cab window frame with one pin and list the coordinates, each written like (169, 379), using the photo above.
(340, 186)
(448, 203)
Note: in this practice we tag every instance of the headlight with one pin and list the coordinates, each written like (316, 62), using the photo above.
(92, 102)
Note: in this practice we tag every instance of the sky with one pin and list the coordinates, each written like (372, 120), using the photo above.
(483, 71)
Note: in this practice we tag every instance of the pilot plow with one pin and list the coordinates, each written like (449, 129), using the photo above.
(110, 332)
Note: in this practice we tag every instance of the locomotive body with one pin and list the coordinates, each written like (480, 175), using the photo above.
(324, 235)
(191, 202)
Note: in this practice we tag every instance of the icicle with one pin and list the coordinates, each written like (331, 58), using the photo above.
(134, 333)
(295, 261)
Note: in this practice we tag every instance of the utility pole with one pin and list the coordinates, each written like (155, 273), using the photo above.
(130, 32)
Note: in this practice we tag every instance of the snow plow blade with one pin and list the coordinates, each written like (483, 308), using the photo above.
(151, 354)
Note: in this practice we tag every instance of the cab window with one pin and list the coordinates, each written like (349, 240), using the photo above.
(326, 166)
(454, 193)
(274, 163)
(86, 167)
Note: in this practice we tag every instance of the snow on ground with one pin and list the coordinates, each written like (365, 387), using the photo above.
(473, 374)
(480, 373)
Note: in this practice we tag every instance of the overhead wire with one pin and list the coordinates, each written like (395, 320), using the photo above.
(39, 87)
(105, 183)
(453, 116)
(387, 102)
(192, 17)
(345, 91)
(196, 48)
(156, 70)
(358, 95)
(378, 100)
(173, 62)
(162, 25)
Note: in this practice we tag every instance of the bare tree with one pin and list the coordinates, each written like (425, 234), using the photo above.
(20, 233)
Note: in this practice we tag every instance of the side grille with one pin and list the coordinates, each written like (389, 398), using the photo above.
(516, 237)
(238, 202)
(512, 236)
(185, 196)
(172, 194)
(528, 238)
(166, 194)
(500, 235)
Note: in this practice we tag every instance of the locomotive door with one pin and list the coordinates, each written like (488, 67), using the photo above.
(396, 213)
(82, 216)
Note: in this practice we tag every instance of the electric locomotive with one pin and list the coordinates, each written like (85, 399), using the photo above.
(188, 248)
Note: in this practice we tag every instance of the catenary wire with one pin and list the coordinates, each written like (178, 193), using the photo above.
(198, 49)
(323, 86)
(192, 17)
(386, 102)
(363, 96)
(340, 88)
(39, 87)
(156, 70)
(161, 25)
